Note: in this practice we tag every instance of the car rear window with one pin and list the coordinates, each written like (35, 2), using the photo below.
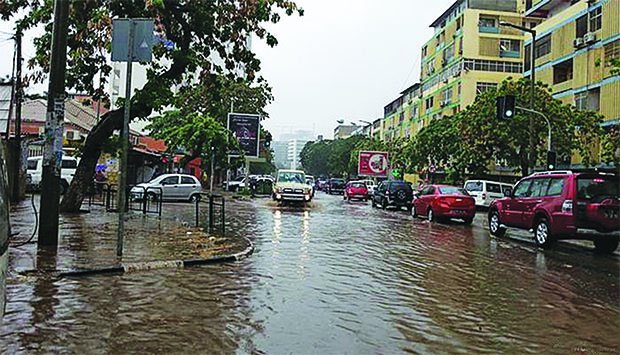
(32, 164)
(358, 184)
(494, 188)
(473, 186)
(597, 189)
(451, 190)
(69, 164)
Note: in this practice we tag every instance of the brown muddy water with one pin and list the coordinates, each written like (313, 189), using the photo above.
(335, 278)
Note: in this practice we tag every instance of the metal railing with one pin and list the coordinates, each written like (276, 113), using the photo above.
(216, 205)
(148, 201)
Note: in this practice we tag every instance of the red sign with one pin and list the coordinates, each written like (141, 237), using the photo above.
(373, 164)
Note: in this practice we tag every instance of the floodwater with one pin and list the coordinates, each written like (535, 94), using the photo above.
(333, 279)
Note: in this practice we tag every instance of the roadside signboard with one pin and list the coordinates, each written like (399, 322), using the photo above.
(246, 129)
(142, 42)
(373, 164)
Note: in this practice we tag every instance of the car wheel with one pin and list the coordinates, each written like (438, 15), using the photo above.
(384, 204)
(542, 233)
(431, 215)
(194, 198)
(414, 214)
(495, 226)
(372, 202)
(606, 245)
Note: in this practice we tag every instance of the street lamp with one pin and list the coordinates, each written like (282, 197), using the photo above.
(367, 124)
(532, 159)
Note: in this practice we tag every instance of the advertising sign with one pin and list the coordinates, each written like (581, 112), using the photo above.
(246, 129)
(373, 164)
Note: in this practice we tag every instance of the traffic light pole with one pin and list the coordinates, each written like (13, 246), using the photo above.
(548, 126)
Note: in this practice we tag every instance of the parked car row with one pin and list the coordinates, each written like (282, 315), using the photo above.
(552, 205)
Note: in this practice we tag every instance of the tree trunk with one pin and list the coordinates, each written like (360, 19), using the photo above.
(110, 122)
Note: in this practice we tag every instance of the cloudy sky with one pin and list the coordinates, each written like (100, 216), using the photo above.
(345, 59)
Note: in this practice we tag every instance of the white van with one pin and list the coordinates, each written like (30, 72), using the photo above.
(35, 172)
(485, 191)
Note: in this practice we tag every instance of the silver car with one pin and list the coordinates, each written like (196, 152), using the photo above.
(169, 187)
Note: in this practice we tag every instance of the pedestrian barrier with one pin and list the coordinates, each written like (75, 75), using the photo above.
(214, 203)
(147, 200)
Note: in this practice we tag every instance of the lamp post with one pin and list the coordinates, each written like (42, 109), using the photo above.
(367, 124)
(532, 156)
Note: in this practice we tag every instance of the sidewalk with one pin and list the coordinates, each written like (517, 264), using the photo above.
(88, 240)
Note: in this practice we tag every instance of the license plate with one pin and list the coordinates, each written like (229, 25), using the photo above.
(460, 211)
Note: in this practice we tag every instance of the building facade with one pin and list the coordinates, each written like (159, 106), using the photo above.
(344, 131)
(575, 45)
(293, 152)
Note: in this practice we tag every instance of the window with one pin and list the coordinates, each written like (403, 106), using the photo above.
(170, 180)
(458, 23)
(448, 54)
(429, 103)
(563, 72)
(522, 189)
(487, 24)
(612, 52)
(543, 46)
(32, 164)
(424, 51)
(555, 187)
(539, 187)
(452, 190)
(588, 100)
(494, 188)
(430, 66)
(446, 96)
(596, 19)
(492, 65)
(581, 26)
(186, 180)
(474, 186)
(482, 87)
(69, 164)
(509, 48)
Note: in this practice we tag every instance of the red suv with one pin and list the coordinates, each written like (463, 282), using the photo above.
(562, 205)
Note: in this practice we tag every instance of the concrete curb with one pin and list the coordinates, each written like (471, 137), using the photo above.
(124, 268)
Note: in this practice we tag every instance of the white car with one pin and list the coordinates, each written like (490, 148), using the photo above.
(34, 171)
(485, 191)
(371, 186)
(169, 187)
(235, 184)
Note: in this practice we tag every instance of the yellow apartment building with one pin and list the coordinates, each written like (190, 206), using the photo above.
(575, 44)
(400, 114)
(469, 53)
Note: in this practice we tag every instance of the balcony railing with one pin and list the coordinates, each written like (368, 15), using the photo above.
(510, 54)
(488, 29)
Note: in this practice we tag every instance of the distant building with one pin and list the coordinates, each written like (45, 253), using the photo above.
(295, 147)
(344, 131)
(280, 154)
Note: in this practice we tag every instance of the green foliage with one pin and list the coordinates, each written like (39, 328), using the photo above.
(468, 141)
(610, 146)
(313, 157)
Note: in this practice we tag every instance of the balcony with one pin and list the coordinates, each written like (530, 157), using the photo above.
(488, 29)
(510, 54)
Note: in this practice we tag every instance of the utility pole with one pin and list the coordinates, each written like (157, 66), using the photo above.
(17, 172)
(52, 150)
(122, 187)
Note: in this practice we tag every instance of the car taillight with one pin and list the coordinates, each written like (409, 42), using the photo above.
(567, 206)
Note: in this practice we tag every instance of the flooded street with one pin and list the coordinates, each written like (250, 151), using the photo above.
(336, 278)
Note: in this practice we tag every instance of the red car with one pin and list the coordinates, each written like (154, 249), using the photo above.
(444, 202)
(356, 190)
(557, 205)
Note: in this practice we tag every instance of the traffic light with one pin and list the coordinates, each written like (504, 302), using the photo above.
(551, 159)
(506, 107)
(268, 139)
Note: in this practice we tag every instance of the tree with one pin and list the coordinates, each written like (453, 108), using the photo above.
(474, 138)
(198, 31)
(313, 155)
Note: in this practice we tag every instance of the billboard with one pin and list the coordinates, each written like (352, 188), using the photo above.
(373, 164)
(246, 129)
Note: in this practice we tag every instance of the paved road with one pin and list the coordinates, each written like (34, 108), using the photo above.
(335, 278)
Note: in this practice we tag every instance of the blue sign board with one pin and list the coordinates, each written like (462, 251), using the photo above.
(142, 43)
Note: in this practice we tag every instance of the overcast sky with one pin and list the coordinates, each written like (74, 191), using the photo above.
(341, 60)
(344, 60)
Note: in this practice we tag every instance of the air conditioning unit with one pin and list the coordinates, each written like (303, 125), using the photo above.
(578, 42)
(589, 38)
